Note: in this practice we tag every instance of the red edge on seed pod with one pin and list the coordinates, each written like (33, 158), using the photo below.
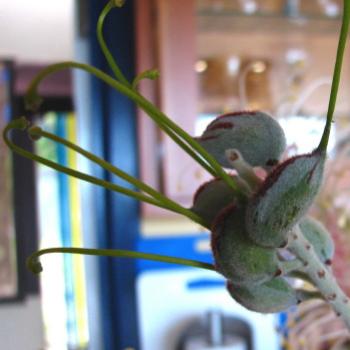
(231, 288)
(231, 114)
(276, 172)
(220, 125)
(202, 187)
(215, 231)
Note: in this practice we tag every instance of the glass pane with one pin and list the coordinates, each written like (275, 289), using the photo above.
(8, 259)
(277, 57)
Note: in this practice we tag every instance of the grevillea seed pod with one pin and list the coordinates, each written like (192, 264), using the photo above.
(235, 255)
(272, 296)
(256, 135)
(283, 198)
(319, 238)
(211, 198)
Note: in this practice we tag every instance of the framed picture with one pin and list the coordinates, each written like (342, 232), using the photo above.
(9, 281)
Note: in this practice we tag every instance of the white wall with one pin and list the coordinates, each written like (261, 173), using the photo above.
(37, 30)
(32, 31)
(21, 325)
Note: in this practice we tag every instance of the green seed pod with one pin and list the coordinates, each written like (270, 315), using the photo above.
(211, 198)
(235, 255)
(283, 199)
(272, 296)
(319, 238)
(256, 135)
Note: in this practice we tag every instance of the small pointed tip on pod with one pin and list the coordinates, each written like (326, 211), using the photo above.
(236, 256)
(283, 198)
(256, 135)
(211, 197)
(319, 238)
(34, 265)
(33, 101)
(272, 296)
(34, 133)
(20, 123)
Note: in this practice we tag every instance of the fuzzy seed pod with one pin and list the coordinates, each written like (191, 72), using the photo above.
(256, 135)
(319, 237)
(283, 199)
(211, 198)
(269, 297)
(235, 255)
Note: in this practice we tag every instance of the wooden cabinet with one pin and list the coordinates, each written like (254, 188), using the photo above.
(213, 58)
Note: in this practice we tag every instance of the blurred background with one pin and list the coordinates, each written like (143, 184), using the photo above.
(214, 56)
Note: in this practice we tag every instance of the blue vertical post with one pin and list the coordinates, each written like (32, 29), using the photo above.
(115, 136)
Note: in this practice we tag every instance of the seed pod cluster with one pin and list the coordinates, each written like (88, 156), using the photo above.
(247, 235)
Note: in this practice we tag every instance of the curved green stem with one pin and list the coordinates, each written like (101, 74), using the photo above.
(167, 202)
(34, 264)
(336, 75)
(99, 31)
(300, 275)
(304, 295)
(23, 123)
(290, 265)
(160, 118)
(147, 74)
(189, 151)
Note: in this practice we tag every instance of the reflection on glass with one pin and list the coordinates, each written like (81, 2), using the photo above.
(8, 264)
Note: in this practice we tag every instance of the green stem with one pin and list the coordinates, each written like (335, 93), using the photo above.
(189, 151)
(167, 203)
(160, 118)
(336, 75)
(34, 264)
(99, 31)
(147, 74)
(22, 124)
(300, 275)
(304, 295)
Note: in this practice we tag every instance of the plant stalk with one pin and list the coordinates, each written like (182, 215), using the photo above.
(321, 276)
(34, 264)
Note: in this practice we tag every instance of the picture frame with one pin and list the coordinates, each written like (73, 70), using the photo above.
(9, 269)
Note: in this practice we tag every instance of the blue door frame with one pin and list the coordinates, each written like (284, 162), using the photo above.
(115, 138)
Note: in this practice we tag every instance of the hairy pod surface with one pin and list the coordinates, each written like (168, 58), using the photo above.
(236, 256)
(256, 135)
(272, 296)
(319, 238)
(211, 198)
(284, 198)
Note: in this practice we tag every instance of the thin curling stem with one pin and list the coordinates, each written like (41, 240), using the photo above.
(159, 118)
(336, 74)
(147, 74)
(99, 31)
(168, 203)
(88, 178)
(34, 265)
